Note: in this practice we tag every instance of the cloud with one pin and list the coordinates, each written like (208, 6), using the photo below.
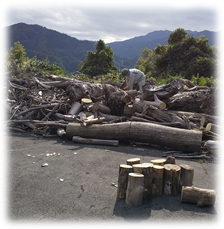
(113, 23)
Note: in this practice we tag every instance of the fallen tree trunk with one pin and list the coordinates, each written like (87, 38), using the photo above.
(198, 195)
(175, 138)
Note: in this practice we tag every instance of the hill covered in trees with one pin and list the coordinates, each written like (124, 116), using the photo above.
(69, 52)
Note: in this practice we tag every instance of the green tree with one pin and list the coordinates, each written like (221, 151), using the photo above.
(186, 56)
(99, 62)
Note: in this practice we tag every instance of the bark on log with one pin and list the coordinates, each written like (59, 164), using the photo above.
(175, 138)
(135, 189)
(128, 110)
(157, 103)
(101, 108)
(75, 109)
(212, 146)
(171, 179)
(94, 121)
(124, 170)
(158, 161)
(133, 161)
(186, 175)
(157, 180)
(198, 195)
(215, 128)
(170, 160)
(194, 115)
(146, 170)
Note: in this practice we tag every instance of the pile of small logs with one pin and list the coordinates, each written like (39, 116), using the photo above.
(179, 115)
(138, 181)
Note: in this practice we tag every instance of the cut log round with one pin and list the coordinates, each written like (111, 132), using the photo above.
(215, 128)
(171, 179)
(198, 195)
(133, 161)
(124, 170)
(146, 170)
(158, 161)
(186, 175)
(157, 180)
(135, 189)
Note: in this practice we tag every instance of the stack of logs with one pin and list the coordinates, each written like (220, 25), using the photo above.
(138, 181)
(57, 106)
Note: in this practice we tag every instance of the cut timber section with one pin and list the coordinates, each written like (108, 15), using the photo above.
(198, 195)
(135, 189)
(158, 161)
(157, 180)
(133, 161)
(175, 138)
(124, 170)
(146, 170)
(171, 179)
(186, 175)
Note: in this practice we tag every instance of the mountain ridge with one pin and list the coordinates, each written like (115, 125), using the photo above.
(68, 52)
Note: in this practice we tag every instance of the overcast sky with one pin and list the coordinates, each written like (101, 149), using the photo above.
(114, 21)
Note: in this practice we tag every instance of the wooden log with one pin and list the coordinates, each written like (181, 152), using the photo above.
(170, 160)
(171, 179)
(212, 146)
(133, 161)
(75, 109)
(156, 103)
(199, 196)
(157, 180)
(158, 161)
(186, 175)
(146, 170)
(174, 138)
(194, 115)
(90, 121)
(124, 170)
(101, 108)
(135, 189)
(128, 110)
(215, 128)
(93, 141)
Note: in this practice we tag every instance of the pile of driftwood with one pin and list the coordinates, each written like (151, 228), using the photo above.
(179, 115)
(138, 181)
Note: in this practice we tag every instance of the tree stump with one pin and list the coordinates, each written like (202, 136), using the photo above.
(171, 179)
(198, 195)
(124, 170)
(158, 161)
(133, 161)
(157, 180)
(135, 189)
(170, 160)
(186, 175)
(146, 170)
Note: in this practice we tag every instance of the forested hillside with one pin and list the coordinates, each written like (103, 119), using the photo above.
(68, 52)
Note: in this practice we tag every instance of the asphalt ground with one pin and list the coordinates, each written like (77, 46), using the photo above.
(76, 184)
